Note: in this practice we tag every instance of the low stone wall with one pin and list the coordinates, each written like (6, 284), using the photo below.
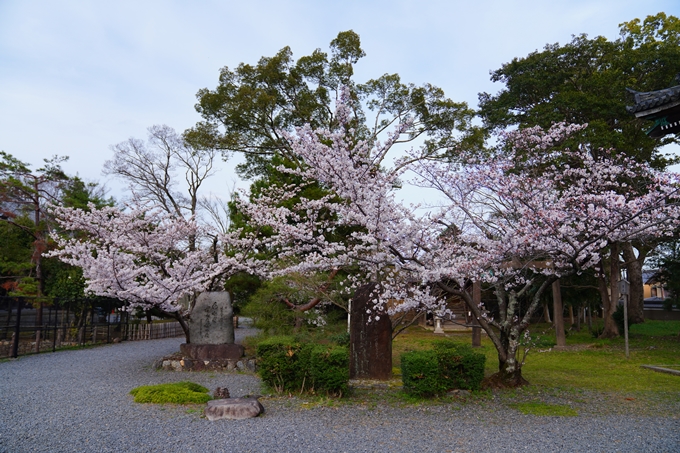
(177, 362)
(663, 315)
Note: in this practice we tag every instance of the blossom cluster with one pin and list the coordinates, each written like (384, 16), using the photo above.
(143, 256)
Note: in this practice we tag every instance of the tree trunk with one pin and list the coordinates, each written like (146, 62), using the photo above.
(610, 298)
(558, 315)
(509, 375)
(183, 324)
(636, 298)
(546, 314)
(476, 329)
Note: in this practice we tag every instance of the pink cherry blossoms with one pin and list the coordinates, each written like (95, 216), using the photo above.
(142, 256)
(357, 225)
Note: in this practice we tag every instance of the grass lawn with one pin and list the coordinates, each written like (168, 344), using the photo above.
(590, 376)
(587, 366)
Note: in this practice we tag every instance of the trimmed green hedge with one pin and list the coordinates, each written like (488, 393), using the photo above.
(287, 365)
(447, 366)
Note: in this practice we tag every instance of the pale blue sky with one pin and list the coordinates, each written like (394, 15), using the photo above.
(78, 76)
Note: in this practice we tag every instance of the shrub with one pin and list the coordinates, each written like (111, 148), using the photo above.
(175, 393)
(287, 365)
(596, 331)
(618, 319)
(420, 373)
(329, 369)
(447, 366)
(341, 339)
(460, 365)
(280, 363)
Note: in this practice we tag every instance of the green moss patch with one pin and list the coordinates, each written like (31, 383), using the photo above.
(175, 393)
(545, 410)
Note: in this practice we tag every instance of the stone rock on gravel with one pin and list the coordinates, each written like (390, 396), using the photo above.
(233, 409)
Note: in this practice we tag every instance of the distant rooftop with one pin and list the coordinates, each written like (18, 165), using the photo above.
(661, 106)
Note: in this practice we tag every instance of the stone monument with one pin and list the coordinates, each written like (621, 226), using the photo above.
(211, 329)
(370, 340)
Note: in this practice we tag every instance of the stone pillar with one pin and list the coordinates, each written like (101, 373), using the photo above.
(370, 341)
(438, 325)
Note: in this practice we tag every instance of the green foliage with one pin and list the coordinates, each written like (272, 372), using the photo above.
(176, 393)
(447, 366)
(341, 338)
(242, 286)
(288, 365)
(460, 365)
(269, 313)
(15, 253)
(545, 410)
(587, 364)
(279, 363)
(585, 81)
(63, 280)
(24, 196)
(329, 369)
(421, 375)
(252, 103)
(277, 307)
(77, 193)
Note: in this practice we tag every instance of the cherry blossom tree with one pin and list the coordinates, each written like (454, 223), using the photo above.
(358, 226)
(519, 220)
(145, 256)
(516, 221)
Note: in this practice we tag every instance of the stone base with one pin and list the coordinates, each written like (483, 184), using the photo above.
(231, 351)
(233, 409)
(178, 363)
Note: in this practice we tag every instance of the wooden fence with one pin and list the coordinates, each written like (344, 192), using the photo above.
(153, 331)
(29, 325)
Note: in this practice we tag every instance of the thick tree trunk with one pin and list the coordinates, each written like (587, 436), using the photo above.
(558, 315)
(509, 375)
(636, 298)
(610, 298)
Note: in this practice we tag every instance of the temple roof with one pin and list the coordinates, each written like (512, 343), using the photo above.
(661, 106)
(651, 99)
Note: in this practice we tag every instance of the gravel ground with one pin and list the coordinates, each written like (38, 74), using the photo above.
(78, 401)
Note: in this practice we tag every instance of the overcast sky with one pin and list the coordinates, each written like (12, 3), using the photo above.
(79, 76)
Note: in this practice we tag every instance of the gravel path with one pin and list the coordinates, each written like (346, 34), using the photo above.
(77, 401)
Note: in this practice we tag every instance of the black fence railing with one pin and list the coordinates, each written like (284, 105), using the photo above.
(32, 325)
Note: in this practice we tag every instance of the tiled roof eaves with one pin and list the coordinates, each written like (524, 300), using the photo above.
(652, 99)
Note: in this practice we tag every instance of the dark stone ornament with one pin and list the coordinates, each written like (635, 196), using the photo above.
(221, 393)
